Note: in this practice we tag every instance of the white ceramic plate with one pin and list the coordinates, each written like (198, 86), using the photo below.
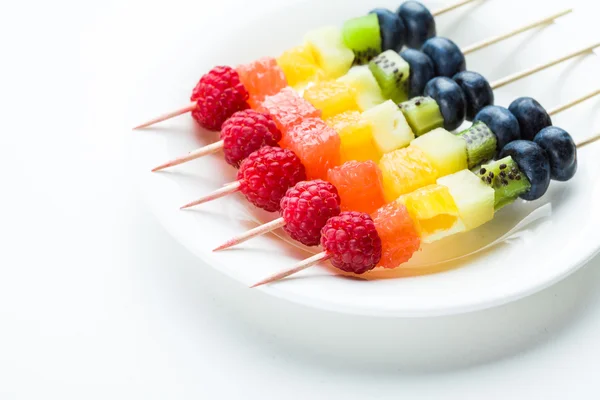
(527, 247)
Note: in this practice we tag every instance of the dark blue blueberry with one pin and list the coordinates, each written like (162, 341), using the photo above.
(561, 151)
(450, 99)
(500, 121)
(421, 71)
(419, 23)
(477, 90)
(391, 29)
(533, 162)
(531, 116)
(447, 57)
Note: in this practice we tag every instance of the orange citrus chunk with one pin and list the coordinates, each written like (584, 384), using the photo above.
(300, 67)
(434, 212)
(405, 170)
(332, 97)
(356, 136)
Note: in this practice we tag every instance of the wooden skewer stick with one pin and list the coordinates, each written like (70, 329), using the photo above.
(224, 191)
(501, 37)
(201, 152)
(519, 75)
(451, 7)
(570, 104)
(169, 115)
(259, 230)
(587, 141)
(309, 262)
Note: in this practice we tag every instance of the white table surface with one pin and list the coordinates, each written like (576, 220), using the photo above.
(97, 301)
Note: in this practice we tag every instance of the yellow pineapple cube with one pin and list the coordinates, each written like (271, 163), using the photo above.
(332, 98)
(300, 67)
(329, 50)
(434, 212)
(447, 152)
(404, 171)
(390, 129)
(474, 199)
(368, 92)
(356, 137)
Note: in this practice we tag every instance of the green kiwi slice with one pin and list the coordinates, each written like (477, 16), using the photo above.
(422, 114)
(391, 72)
(507, 180)
(481, 144)
(362, 36)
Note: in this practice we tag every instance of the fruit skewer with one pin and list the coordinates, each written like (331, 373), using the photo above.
(367, 188)
(389, 128)
(356, 242)
(397, 119)
(224, 90)
(412, 20)
(245, 129)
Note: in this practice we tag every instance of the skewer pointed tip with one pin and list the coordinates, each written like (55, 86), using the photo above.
(224, 191)
(193, 155)
(167, 116)
(302, 265)
(197, 202)
(161, 167)
(225, 245)
(259, 230)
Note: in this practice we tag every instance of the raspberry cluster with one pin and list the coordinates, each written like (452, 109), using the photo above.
(245, 132)
(306, 208)
(218, 95)
(266, 175)
(352, 242)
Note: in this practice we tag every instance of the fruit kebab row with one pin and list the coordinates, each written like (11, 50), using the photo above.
(246, 131)
(391, 129)
(327, 54)
(358, 186)
(356, 242)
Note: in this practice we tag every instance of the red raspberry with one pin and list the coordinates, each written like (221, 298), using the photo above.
(352, 242)
(218, 94)
(306, 207)
(266, 174)
(245, 132)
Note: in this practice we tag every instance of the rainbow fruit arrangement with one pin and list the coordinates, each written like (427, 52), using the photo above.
(348, 137)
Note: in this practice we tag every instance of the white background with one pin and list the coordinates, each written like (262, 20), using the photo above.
(97, 301)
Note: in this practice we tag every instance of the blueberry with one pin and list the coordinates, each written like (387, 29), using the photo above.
(533, 162)
(447, 57)
(561, 151)
(531, 116)
(418, 21)
(421, 70)
(391, 29)
(477, 90)
(500, 121)
(450, 99)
